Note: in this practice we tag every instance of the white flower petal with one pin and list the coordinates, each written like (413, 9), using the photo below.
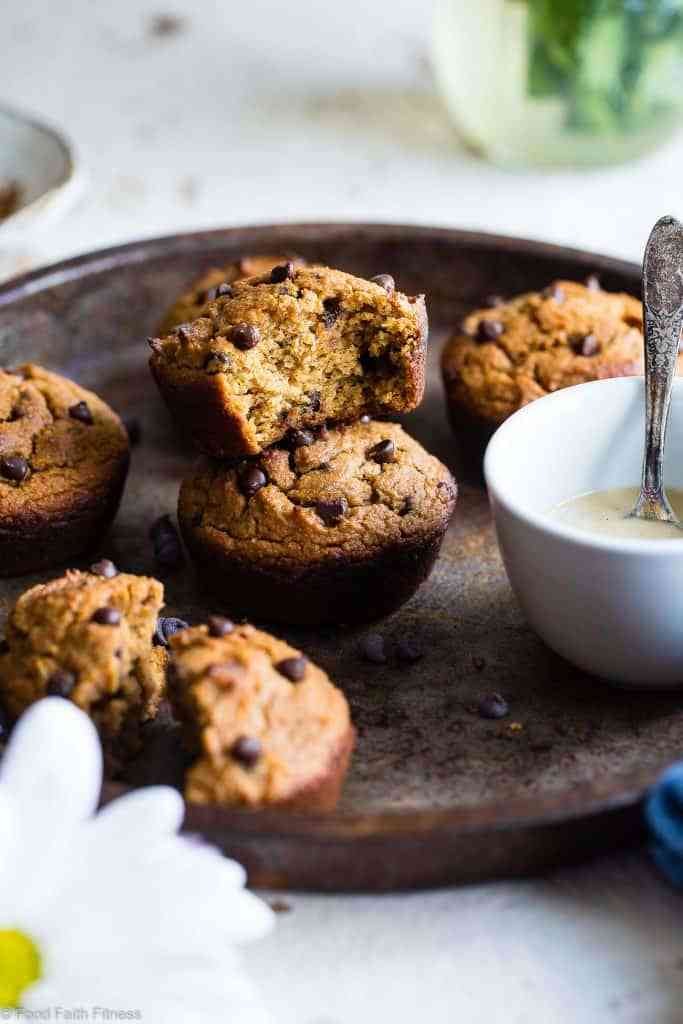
(144, 813)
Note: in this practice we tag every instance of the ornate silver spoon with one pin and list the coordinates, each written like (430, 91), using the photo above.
(663, 319)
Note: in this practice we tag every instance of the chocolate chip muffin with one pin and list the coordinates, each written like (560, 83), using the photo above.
(213, 283)
(291, 348)
(87, 636)
(266, 726)
(335, 527)
(507, 355)
(63, 464)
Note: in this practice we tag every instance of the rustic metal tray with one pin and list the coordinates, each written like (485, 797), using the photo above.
(435, 795)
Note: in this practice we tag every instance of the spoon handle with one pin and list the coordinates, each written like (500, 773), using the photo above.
(663, 319)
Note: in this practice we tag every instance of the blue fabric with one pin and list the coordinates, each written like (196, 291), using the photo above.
(664, 816)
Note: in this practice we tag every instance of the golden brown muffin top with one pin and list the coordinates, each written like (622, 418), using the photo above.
(59, 444)
(265, 721)
(86, 636)
(510, 354)
(190, 304)
(341, 492)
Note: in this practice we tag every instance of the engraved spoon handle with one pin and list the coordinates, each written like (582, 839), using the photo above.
(663, 319)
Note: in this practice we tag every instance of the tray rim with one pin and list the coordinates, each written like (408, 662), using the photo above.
(563, 806)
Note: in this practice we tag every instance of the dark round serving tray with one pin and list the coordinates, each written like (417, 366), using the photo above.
(436, 794)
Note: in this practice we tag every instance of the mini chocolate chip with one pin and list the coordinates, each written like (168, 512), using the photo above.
(553, 291)
(13, 467)
(134, 431)
(217, 361)
(247, 750)
(493, 705)
(224, 289)
(332, 512)
(184, 331)
(408, 651)
(332, 308)
(585, 345)
(299, 438)
(383, 451)
(105, 567)
(244, 336)
(478, 663)
(489, 330)
(491, 301)
(251, 479)
(220, 290)
(81, 411)
(60, 683)
(409, 505)
(385, 281)
(293, 669)
(282, 272)
(167, 627)
(314, 399)
(219, 625)
(365, 418)
(167, 547)
(593, 283)
(371, 648)
(106, 617)
(155, 344)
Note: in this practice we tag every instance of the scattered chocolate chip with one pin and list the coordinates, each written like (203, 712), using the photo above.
(219, 291)
(371, 648)
(106, 617)
(13, 467)
(184, 332)
(166, 627)
(167, 547)
(489, 330)
(478, 663)
(219, 625)
(293, 669)
(585, 345)
(385, 281)
(247, 750)
(332, 512)
(280, 906)
(365, 418)
(105, 567)
(81, 412)
(492, 301)
(134, 431)
(593, 283)
(217, 361)
(553, 291)
(60, 683)
(163, 26)
(314, 399)
(493, 706)
(383, 451)
(282, 272)
(223, 289)
(251, 479)
(408, 651)
(244, 336)
(409, 505)
(299, 438)
(332, 308)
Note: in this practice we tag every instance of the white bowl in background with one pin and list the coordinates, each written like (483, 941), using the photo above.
(613, 607)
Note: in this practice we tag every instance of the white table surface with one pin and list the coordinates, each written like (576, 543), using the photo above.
(305, 110)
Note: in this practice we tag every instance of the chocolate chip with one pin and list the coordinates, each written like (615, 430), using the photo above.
(156, 345)
(332, 512)
(489, 330)
(167, 547)
(383, 451)
(293, 669)
(223, 289)
(478, 663)
(184, 332)
(244, 336)
(553, 291)
(217, 361)
(280, 906)
(493, 705)
(314, 399)
(220, 291)
(585, 345)
(408, 651)
(13, 467)
(105, 567)
(282, 272)
(4, 646)
(365, 418)
(299, 438)
(81, 411)
(106, 617)
(247, 750)
(331, 311)
(60, 683)
(385, 281)
(371, 648)
(219, 625)
(167, 627)
(251, 480)
(593, 283)
(491, 301)
(134, 431)
(409, 505)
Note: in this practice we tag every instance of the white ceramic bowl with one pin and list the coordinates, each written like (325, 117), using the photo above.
(613, 607)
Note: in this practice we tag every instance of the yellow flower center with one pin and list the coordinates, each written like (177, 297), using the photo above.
(19, 966)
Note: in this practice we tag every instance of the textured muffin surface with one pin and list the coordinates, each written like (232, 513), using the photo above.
(259, 737)
(60, 642)
(510, 354)
(321, 345)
